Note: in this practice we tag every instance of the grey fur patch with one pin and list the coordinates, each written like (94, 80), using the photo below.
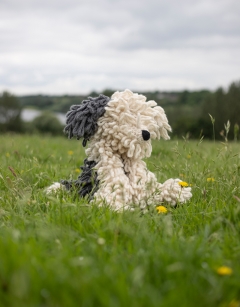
(87, 182)
(82, 119)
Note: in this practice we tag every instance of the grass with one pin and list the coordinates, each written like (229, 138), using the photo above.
(59, 251)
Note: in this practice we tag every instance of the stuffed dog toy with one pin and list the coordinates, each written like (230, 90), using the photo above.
(119, 131)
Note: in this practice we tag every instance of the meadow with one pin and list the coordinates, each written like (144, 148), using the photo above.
(57, 250)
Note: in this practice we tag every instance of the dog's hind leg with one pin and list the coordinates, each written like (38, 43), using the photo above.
(171, 192)
(174, 193)
(56, 186)
(147, 191)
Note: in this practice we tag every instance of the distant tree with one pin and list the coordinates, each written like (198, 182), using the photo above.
(233, 100)
(183, 98)
(108, 92)
(222, 106)
(192, 98)
(93, 94)
(10, 113)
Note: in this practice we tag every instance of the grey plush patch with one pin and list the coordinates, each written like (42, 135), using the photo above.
(87, 182)
(82, 119)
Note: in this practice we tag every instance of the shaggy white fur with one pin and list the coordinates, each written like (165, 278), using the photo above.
(118, 147)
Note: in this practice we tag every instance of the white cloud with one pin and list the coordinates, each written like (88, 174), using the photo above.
(71, 46)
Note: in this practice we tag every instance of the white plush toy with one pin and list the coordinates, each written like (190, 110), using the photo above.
(119, 130)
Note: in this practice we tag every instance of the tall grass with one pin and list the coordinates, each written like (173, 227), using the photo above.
(59, 251)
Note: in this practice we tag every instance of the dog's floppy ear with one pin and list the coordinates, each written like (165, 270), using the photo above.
(82, 119)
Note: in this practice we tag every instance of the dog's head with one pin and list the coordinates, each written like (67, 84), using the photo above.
(126, 123)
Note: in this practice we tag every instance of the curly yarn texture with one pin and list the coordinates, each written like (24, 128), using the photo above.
(82, 119)
(120, 139)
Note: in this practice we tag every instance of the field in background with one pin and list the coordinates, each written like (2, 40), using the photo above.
(59, 251)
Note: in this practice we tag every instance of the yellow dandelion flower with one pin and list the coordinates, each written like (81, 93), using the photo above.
(77, 170)
(7, 155)
(224, 270)
(161, 209)
(210, 179)
(70, 152)
(189, 156)
(183, 184)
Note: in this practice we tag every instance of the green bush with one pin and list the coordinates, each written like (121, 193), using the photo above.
(45, 123)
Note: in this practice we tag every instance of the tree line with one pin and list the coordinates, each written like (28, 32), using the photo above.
(191, 114)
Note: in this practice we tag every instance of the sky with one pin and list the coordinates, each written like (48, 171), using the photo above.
(77, 46)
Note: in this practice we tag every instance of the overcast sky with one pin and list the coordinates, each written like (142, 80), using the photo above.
(76, 46)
